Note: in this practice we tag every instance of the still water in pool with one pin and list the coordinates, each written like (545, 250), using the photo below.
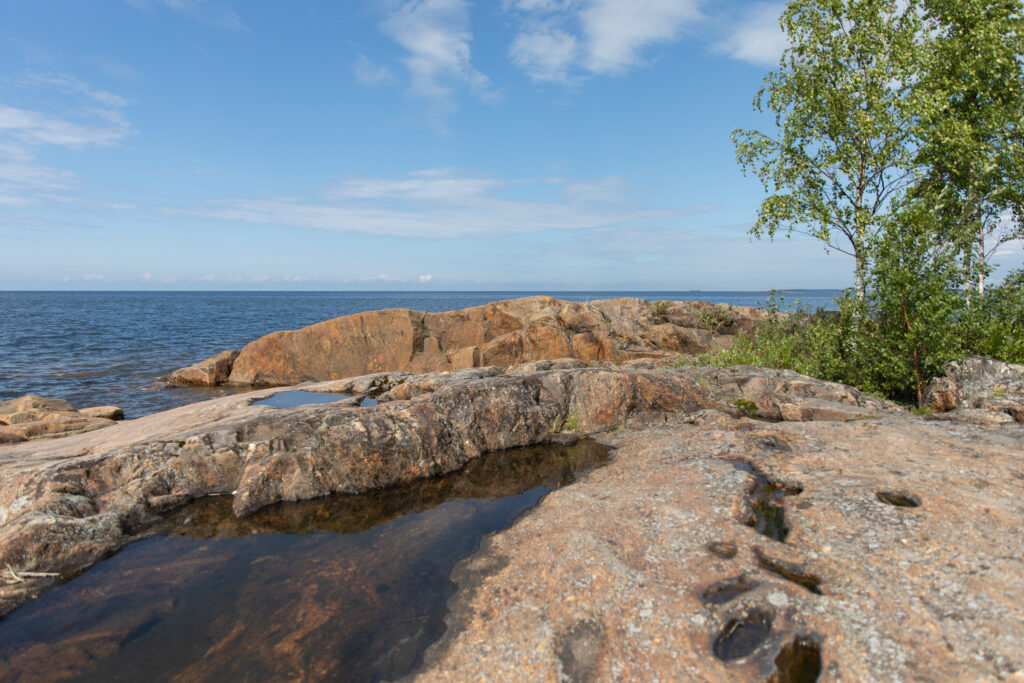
(340, 588)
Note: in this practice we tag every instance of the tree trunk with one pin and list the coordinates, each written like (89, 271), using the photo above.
(860, 272)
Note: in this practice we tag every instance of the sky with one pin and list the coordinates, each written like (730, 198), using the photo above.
(389, 144)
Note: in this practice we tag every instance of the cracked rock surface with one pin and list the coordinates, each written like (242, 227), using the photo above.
(501, 333)
(819, 532)
(648, 568)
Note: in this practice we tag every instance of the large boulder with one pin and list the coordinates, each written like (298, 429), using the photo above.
(502, 333)
(210, 372)
(978, 384)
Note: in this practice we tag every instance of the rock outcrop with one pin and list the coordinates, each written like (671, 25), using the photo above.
(36, 417)
(902, 560)
(502, 333)
(812, 541)
(65, 504)
(978, 389)
(210, 372)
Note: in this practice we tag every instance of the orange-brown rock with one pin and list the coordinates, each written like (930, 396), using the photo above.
(712, 547)
(36, 417)
(503, 333)
(902, 560)
(107, 412)
(210, 372)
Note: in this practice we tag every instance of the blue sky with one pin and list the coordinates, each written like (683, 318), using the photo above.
(416, 144)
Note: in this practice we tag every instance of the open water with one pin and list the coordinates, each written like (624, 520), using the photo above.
(115, 348)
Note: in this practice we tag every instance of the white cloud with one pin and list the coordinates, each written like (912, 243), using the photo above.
(442, 203)
(383, 277)
(440, 185)
(34, 128)
(85, 277)
(617, 31)
(1010, 248)
(90, 118)
(206, 278)
(426, 278)
(370, 73)
(598, 190)
(545, 53)
(757, 38)
(437, 37)
(560, 41)
(68, 84)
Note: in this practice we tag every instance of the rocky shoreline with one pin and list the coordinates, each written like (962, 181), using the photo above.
(502, 334)
(751, 523)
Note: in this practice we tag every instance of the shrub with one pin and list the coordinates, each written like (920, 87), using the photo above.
(716, 318)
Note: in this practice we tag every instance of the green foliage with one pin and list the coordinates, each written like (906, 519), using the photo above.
(572, 424)
(900, 141)
(747, 406)
(843, 104)
(716, 318)
(915, 318)
(997, 321)
(972, 126)
(659, 309)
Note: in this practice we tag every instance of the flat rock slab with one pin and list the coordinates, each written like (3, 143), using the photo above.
(647, 569)
(891, 546)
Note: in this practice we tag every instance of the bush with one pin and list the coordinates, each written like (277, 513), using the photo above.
(716, 318)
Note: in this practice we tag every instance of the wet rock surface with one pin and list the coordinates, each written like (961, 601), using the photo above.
(503, 334)
(341, 588)
(902, 557)
(67, 503)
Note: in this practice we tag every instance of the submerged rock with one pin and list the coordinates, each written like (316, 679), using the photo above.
(502, 334)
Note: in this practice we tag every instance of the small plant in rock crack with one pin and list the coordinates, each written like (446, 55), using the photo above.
(659, 309)
(572, 424)
(747, 406)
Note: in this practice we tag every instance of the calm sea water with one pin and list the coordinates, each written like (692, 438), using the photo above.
(115, 348)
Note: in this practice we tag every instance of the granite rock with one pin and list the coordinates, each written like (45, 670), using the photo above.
(502, 333)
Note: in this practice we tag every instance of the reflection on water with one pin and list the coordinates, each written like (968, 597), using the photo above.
(293, 399)
(340, 588)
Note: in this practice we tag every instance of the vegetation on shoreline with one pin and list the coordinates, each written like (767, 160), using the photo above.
(898, 140)
(869, 344)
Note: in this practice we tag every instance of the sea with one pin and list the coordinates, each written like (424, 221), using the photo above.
(117, 348)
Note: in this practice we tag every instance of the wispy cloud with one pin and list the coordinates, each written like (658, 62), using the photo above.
(757, 37)
(436, 36)
(1010, 248)
(443, 203)
(216, 13)
(562, 41)
(90, 118)
(369, 72)
(425, 279)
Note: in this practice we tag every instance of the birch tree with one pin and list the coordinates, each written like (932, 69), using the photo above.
(845, 109)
